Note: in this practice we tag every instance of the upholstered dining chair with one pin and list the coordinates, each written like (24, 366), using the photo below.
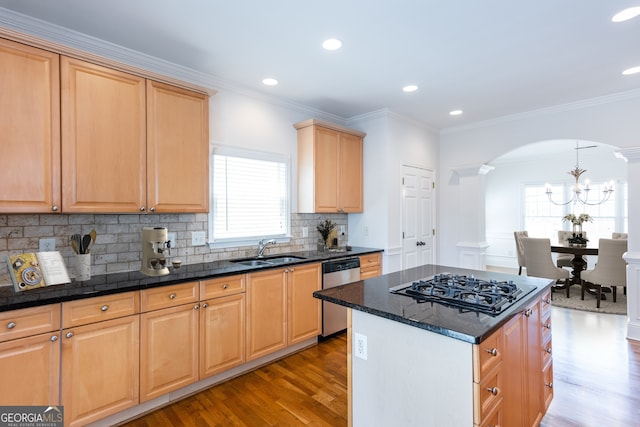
(609, 272)
(519, 249)
(537, 258)
(615, 235)
(564, 260)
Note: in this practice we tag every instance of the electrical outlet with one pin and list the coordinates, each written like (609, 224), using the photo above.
(173, 238)
(198, 238)
(305, 231)
(47, 245)
(360, 343)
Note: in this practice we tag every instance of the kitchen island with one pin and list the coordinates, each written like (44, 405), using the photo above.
(428, 363)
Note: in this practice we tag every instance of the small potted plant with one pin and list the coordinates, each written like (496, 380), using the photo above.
(325, 228)
(577, 239)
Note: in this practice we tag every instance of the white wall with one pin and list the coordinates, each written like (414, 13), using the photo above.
(612, 120)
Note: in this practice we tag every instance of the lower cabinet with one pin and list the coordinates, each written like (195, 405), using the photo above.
(99, 369)
(281, 309)
(168, 340)
(370, 265)
(30, 356)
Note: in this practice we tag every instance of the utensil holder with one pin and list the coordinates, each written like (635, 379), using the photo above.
(83, 267)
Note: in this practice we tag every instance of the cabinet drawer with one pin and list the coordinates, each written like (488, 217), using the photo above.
(487, 355)
(547, 374)
(168, 296)
(29, 321)
(487, 394)
(493, 417)
(546, 303)
(370, 260)
(97, 309)
(230, 285)
(545, 321)
(547, 351)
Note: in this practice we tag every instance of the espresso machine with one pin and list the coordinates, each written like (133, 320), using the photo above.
(156, 249)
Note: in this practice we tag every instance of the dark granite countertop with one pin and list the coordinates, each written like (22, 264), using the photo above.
(134, 280)
(372, 296)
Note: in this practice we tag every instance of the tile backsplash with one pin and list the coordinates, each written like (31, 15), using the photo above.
(118, 248)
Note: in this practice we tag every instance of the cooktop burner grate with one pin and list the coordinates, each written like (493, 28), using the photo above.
(487, 296)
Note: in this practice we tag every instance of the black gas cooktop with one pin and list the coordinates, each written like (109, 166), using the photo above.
(465, 292)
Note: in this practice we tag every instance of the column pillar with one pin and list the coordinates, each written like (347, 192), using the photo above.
(472, 246)
(632, 256)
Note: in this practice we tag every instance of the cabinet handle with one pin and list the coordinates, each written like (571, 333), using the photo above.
(550, 385)
(493, 390)
(291, 270)
(69, 334)
(547, 301)
(11, 325)
(225, 286)
(152, 209)
(54, 338)
(55, 208)
(492, 351)
(196, 307)
(548, 350)
(548, 326)
(205, 305)
(528, 312)
(104, 307)
(172, 296)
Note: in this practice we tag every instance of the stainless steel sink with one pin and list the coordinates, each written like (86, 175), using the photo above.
(284, 259)
(253, 262)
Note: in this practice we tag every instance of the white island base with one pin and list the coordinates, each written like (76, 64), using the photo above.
(411, 377)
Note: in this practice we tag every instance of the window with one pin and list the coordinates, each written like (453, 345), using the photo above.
(543, 218)
(250, 197)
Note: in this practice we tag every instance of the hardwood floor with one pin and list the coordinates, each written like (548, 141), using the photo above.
(596, 383)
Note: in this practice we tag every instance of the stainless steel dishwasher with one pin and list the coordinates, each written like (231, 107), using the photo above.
(335, 273)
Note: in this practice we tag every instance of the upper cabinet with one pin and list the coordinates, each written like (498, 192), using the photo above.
(330, 172)
(177, 149)
(103, 139)
(82, 137)
(29, 129)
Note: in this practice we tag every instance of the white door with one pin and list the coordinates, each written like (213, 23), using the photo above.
(417, 217)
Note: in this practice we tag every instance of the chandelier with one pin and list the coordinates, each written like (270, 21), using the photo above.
(578, 190)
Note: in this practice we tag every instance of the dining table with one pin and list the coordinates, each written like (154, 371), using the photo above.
(578, 263)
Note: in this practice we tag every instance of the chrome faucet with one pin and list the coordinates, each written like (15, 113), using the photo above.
(262, 245)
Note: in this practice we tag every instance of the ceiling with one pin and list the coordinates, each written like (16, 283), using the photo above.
(489, 58)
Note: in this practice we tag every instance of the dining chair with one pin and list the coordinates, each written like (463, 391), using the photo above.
(615, 235)
(537, 258)
(518, 235)
(564, 260)
(609, 272)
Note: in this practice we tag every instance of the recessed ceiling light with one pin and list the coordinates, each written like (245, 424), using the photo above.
(626, 14)
(632, 70)
(455, 112)
(332, 44)
(269, 81)
(410, 88)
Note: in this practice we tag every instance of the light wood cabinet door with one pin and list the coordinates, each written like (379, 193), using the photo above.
(222, 334)
(327, 185)
(304, 311)
(168, 350)
(103, 139)
(177, 149)
(30, 370)
(350, 174)
(30, 129)
(266, 313)
(100, 369)
(513, 361)
(534, 352)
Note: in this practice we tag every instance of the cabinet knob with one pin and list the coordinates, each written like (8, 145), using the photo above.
(104, 307)
(548, 326)
(225, 286)
(528, 312)
(547, 301)
(291, 270)
(196, 307)
(69, 334)
(172, 296)
(142, 209)
(493, 390)
(548, 350)
(152, 209)
(492, 351)
(54, 338)
(550, 385)
(11, 325)
(205, 305)
(55, 208)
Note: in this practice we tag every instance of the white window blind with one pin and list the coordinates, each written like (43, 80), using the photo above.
(250, 195)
